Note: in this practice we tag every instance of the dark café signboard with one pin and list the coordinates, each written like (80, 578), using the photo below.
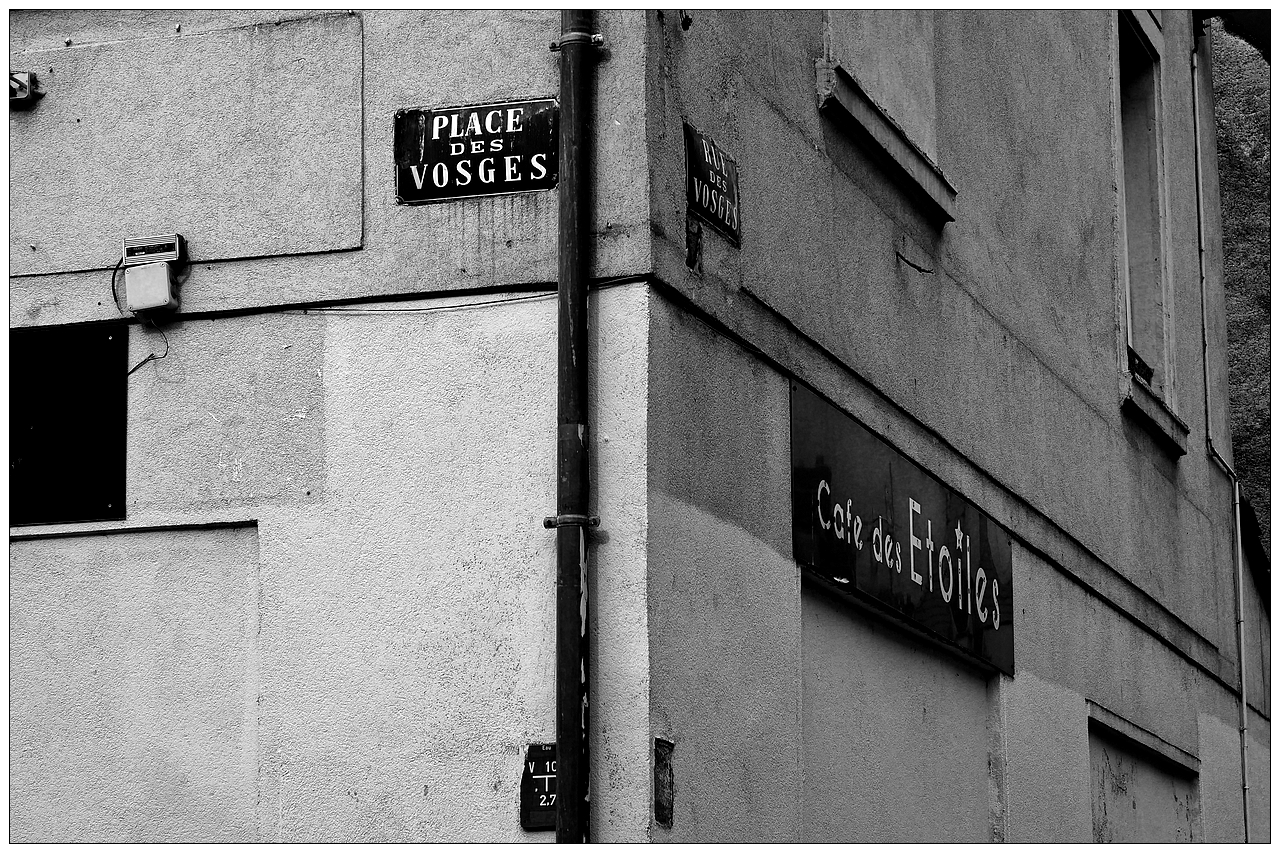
(482, 149)
(871, 525)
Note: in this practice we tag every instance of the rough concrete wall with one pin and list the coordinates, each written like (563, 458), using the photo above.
(1242, 108)
(1221, 779)
(1220, 796)
(133, 663)
(622, 748)
(408, 618)
(996, 339)
(890, 53)
(1259, 778)
(1257, 645)
(895, 738)
(192, 450)
(1047, 763)
(724, 598)
(273, 185)
(246, 139)
(1008, 343)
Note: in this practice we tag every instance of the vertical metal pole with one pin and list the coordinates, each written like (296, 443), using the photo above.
(573, 805)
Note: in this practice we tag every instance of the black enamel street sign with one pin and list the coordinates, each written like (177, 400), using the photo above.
(871, 525)
(484, 149)
(711, 188)
(538, 787)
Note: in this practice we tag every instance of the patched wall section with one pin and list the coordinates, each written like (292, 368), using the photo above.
(231, 417)
(724, 607)
(133, 686)
(1136, 799)
(895, 734)
(408, 618)
(247, 140)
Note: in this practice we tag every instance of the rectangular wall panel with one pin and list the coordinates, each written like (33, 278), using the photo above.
(1137, 799)
(246, 140)
(133, 687)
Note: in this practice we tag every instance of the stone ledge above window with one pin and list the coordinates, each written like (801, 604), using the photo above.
(1155, 416)
(840, 95)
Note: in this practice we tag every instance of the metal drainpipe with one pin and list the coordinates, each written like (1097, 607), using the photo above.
(1238, 542)
(573, 755)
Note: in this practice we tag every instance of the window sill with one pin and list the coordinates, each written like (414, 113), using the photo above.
(1156, 417)
(840, 95)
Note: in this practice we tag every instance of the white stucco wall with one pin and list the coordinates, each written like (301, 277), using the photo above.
(394, 617)
(133, 686)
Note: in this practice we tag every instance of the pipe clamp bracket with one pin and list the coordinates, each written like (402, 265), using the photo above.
(593, 39)
(553, 521)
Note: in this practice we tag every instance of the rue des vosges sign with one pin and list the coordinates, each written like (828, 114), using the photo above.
(872, 525)
(499, 148)
(711, 184)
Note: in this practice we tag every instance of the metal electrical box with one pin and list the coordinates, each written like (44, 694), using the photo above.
(148, 273)
(149, 287)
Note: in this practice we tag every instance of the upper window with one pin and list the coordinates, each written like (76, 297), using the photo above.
(1146, 286)
(67, 423)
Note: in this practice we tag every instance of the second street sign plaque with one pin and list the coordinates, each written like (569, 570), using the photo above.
(483, 149)
(711, 188)
(872, 525)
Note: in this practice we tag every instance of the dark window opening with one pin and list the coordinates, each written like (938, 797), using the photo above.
(67, 396)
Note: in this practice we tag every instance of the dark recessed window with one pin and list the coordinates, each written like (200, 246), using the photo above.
(1140, 125)
(67, 391)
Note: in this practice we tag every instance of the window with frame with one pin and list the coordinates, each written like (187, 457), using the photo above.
(1142, 270)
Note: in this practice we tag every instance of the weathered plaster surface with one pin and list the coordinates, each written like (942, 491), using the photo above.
(1136, 800)
(868, 43)
(133, 681)
(233, 417)
(245, 140)
(386, 60)
(1220, 780)
(402, 634)
(723, 591)
(398, 458)
(1259, 778)
(1048, 761)
(1007, 345)
(621, 775)
(895, 738)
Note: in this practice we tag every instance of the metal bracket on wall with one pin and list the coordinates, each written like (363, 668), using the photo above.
(595, 40)
(23, 92)
(553, 521)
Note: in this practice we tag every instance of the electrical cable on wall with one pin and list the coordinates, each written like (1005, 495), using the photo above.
(114, 298)
(601, 284)
(152, 356)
